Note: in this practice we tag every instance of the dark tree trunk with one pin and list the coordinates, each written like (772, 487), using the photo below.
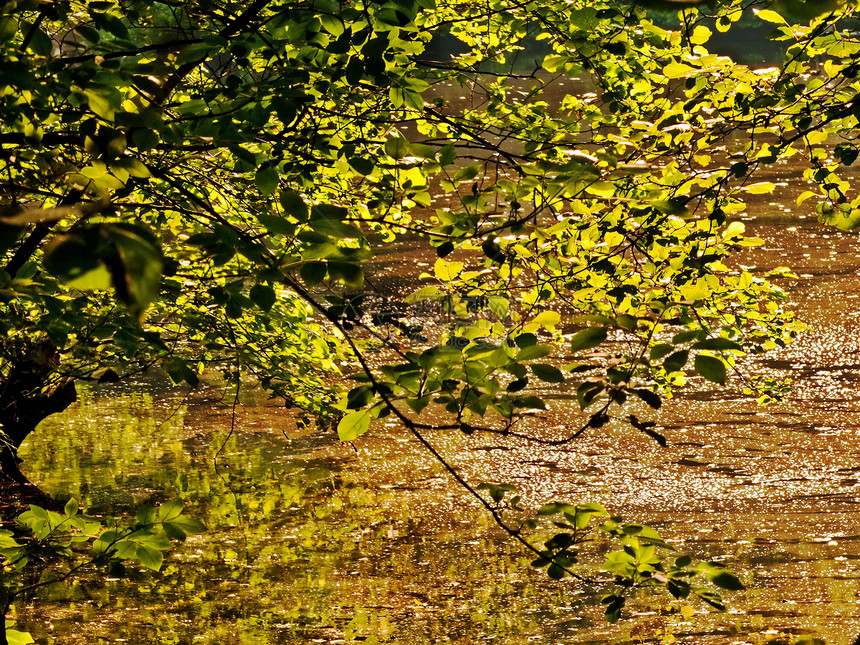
(26, 399)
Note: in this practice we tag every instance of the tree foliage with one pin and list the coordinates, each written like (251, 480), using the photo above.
(211, 186)
(44, 534)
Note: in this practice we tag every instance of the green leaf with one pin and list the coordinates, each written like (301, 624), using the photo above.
(554, 508)
(353, 425)
(41, 43)
(676, 361)
(686, 336)
(659, 351)
(588, 338)
(152, 540)
(529, 402)
(717, 344)
(614, 605)
(277, 225)
(527, 340)
(263, 296)
(180, 372)
(683, 561)
(532, 352)
(71, 508)
(189, 525)
(313, 272)
(627, 322)
(421, 150)
(711, 368)
(397, 147)
(547, 373)
(725, 580)
(7, 541)
(555, 572)
(362, 166)
(760, 188)
(71, 257)
(112, 24)
(547, 318)
(149, 557)
(587, 392)
(447, 155)
(128, 254)
(169, 510)
(145, 515)
(447, 271)
(193, 53)
(444, 249)
(700, 35)
(145, 139)
(98, 279)
(417, 405)
(102, 103)
(173, 531)
(349, 273)
(294, 205)
(140, 256)
(359, 397)
(266, 180)
(517, 385)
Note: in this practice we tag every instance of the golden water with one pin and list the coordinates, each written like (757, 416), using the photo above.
(311, 541)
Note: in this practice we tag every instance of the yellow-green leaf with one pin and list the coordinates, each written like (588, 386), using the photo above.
(770, 16)
(678, 70)
(760, 188)
(700, 35)
(447, 271)
(353, 425)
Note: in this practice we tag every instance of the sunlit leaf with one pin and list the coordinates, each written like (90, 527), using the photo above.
(353, 425)
(15, 637)
(447, 271)
(99, 278)
(760, 188)
(769, 16)
(71, 507)
(678, 70)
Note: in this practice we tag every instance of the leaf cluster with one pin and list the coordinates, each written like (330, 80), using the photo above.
(71, 541)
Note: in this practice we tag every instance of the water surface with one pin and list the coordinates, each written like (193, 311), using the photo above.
(314, 541)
